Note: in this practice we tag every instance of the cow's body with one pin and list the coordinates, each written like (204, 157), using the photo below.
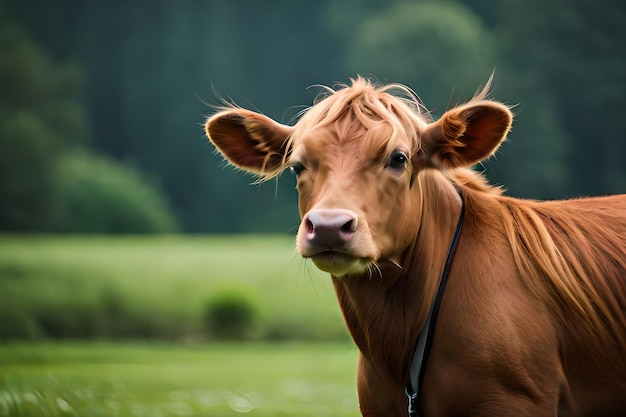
(533, 318)
(496, 337)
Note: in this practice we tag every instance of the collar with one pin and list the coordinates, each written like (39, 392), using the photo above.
(425, 340)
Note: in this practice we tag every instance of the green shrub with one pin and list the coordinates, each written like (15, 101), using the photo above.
(40, 116)
(16, 325)
(99, 195)
(231, 314)
(26, 174)
(73, 321)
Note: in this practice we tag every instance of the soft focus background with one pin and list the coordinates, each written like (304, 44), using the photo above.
(142, 276)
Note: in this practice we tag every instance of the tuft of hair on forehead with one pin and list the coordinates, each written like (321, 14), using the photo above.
(392, 111)
(361, 86)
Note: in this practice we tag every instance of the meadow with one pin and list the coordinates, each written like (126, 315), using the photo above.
(114, 326)
(162, 380)
(159, 287)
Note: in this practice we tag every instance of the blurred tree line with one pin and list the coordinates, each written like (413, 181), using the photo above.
(102, 102)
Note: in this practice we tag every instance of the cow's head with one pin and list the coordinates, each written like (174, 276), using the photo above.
(357, 154)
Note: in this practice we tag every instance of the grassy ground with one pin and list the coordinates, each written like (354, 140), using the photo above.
(159, 380)
(164, 281)
(156, 288)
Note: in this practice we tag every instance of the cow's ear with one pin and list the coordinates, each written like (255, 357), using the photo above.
(467, 134)
(249, 140)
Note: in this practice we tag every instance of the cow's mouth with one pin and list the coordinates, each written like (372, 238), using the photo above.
(339, 263)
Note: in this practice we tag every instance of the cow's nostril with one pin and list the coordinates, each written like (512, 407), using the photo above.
(309, 226)
(349, 226)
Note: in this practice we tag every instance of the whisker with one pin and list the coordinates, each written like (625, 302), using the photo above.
(304, 272)
(374, 269)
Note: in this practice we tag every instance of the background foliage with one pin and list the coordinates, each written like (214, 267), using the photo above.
(132, 81)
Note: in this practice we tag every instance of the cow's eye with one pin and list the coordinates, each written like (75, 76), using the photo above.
(397, 160)
(296, 168)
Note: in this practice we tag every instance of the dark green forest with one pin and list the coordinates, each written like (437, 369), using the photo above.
(102, 102)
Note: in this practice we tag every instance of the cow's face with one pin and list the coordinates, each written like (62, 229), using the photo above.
(354, 186)
(356, 156)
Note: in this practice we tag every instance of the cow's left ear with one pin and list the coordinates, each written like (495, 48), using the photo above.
(467, 134)
(249, 140)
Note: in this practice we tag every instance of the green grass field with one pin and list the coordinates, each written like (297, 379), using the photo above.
(160, 285)
(113, 326)
(159, 380)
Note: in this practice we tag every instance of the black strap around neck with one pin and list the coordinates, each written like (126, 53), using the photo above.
(425, 340)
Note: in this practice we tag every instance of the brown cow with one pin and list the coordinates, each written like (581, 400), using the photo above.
(533, 318)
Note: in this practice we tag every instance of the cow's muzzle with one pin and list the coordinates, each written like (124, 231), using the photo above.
(329, 228)
(326, 236)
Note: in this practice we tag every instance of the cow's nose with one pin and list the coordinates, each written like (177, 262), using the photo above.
(330, 228)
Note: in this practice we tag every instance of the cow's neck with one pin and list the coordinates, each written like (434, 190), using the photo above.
(385, 313)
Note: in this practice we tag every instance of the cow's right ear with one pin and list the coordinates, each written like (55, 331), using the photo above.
(249, 140)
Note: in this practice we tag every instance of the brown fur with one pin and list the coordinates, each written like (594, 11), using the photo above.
(533, 320)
